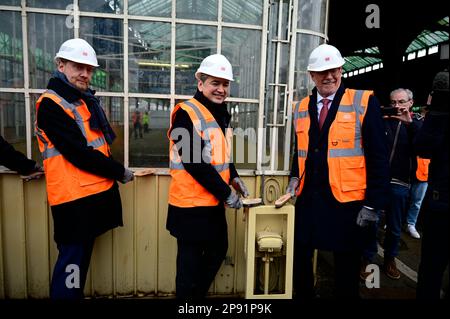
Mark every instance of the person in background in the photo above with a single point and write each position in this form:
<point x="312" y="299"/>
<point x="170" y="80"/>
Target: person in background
<point x="137" y="124"/>
<point x="432" y="142"/>
<point x="416" y="195"/>
<point x="74" y="139"/>
<point x="146" y="122"/>
<point x="419" y="183"/>
<point x="400" y="130"/>
<point x="201" y="168"/>
<point x="339" y="173"/>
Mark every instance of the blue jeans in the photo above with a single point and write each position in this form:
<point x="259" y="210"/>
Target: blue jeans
<point x="417" y="193"/>
<point x="398" y="205"/>
<point x="69" y="274"/>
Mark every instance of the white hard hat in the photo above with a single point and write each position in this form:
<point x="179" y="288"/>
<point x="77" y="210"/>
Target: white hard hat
<point x="79" y="51"/>
<point x="325" y="57"/>
<point x="216" y="65"/>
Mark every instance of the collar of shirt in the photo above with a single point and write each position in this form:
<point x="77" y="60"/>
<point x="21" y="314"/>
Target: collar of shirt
<point x="320" y="104"/>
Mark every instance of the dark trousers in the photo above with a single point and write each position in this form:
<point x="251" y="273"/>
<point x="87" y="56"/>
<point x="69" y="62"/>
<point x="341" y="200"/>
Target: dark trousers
<point x="346" y="274"/>
<point x="69" y="274"/>
<point x="434" y="254"/>
<point x="197" y="265"/>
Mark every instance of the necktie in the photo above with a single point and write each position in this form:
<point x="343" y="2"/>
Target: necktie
<point x="323" y="112"/>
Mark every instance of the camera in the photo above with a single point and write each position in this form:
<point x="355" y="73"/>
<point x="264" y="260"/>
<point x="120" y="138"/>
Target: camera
<point x="390" y="111"/>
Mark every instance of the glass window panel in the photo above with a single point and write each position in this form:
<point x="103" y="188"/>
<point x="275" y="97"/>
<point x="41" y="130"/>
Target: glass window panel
<point x="113" y="107"/>
<point x="197" y="9"/>
<point x="244" y="121"/>
<point x="12" y="120"/>
<point x="311" y="15"/>
<point x="11" y="53"/>
<point x="149" y="122"/>
<point x="247" y="12"/>
<point x="278" y="147"/>
<point x="110" y="6"/>
<point x="302" y="81"/>
<point x="243" y="48"/>
<point x="193" y="44"/>
<point x="157" y="8"/>
<point x="149" y="57"/>
<point x="60" y="4"/>
<point x="10" y="3"/>
<point x="106" y="36"/>
<point x="46" y="33"/>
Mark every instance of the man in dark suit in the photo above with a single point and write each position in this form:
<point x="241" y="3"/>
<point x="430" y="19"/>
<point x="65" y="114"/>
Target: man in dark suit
<point x="340" y="173"/>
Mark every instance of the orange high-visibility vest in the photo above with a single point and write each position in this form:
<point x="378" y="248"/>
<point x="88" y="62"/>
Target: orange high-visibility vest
<point x="346" y="163"/>
<point x="184" y="190"/>
<point x="422" y="169"/>
<point x="65" y="182"/>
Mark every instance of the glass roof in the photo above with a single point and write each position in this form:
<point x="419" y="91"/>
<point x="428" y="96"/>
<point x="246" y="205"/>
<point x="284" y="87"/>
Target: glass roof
<point x="369" y="57"/>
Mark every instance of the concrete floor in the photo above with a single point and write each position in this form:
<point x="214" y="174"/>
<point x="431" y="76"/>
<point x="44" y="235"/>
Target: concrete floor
<point x="404" y="288"/>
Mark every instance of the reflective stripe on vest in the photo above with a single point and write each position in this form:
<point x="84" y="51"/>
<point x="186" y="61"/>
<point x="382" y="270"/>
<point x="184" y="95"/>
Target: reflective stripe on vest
<point x="422" y="169"/>
<point x="346" y="163"/>
<point x="184" y="190"/>
<point x="65" y="182"/>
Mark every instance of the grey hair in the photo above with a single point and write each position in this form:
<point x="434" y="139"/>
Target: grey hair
<point x="203" y="77"/>
<point x="407" y="91"/>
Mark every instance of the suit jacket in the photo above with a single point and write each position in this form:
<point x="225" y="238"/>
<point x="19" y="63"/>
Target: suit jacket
<point x="321" y="221"/>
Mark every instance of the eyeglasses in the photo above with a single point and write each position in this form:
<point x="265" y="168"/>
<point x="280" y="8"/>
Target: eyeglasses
<point x="399" y="102"/>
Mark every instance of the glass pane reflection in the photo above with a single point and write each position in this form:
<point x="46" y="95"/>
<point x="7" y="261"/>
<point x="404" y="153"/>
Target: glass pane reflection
<point x="11" y="56"/>
<point x="311" y="15"/>
<point x="157" y="8"/>
<point x="243" y="49"/>
<point x="106" y="36"/>
<point x="197" y="9"/>
<point x="42" y="48"/>
<point x="12" y="120"/>
<point x="149" y="57"/>
<point x="244" y="121"/>
<point x="149" y="122"/>
<point x="193" y="44"/>
<point x="60" y="4"/>
<point x="246" y="12"/>
<point x="110" y="6"/>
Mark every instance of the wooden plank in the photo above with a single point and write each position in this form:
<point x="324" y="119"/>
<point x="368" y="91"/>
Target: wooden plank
<point x="14" y="238"/>
<point x="101" y="267"/>
<point x="124" y="244"/>
<point x="146" y="234"/>
<point x="167" y="244"/>
<point x="36" y="213"/>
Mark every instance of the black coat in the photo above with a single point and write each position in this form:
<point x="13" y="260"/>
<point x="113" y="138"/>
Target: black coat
<point x="85" y="218"/>
<point x="201" y="223"/>
<point x="320" y="220"/>
<point x="404" y="163"/>
<point x="432" y="142"/>
<point x="15" y="160"/>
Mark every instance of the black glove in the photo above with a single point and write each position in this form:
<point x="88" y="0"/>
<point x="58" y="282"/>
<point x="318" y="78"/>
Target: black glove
<point x="128" y="176"/>
<point x="233" y="201"/>
<point x="239" y="186"/>
<point x="292" y="186"/>
<point x="366" y="216"/>
<point x="36" y="173"/>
